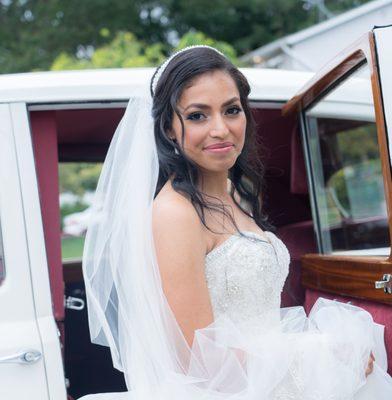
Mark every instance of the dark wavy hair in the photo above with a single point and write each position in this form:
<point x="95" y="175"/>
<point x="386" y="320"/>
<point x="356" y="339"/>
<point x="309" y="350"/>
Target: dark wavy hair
<point x="246" y="174"/>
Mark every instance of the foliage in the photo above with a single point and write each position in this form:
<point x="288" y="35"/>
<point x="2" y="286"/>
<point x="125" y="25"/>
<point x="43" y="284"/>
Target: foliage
<point x="245" y="24"/>
<point x="78" y="178"/>
<point x="124" y="51"/>
<point x="194" y="37"/>
<point x="366" y="137"/>
<point x="358" y="188"/>
<point x="360" y="170"/>
<point x="35" y="33"/>
<point x="127" y="51"/>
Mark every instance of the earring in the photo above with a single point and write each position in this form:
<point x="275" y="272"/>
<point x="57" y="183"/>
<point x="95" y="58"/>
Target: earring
<point x="175" y="148"/>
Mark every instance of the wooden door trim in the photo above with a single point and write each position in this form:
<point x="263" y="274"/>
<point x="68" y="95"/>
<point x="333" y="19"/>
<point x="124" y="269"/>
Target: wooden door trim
<point x="331" y="75"/>
<point x="381" y="132"/>
<point x="346" y="275"/>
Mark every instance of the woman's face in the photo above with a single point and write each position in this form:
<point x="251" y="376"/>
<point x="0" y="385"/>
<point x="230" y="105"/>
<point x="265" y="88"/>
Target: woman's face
<point x="213" y="116"/>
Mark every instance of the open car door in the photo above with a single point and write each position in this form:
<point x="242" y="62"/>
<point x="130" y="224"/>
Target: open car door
<point x="345" y="116"/>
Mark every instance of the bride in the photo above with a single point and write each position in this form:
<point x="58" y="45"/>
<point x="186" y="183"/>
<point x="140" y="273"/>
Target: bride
<point x="184" y="272"/>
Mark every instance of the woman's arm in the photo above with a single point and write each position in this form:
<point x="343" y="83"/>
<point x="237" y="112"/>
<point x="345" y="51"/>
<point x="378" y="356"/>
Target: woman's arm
<point x="181" y="247"/>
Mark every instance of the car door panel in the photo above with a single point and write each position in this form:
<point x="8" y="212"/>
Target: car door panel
<point x="26" y="315"/>
<point x="18" y="326"/>
<point x="350" y="274"/>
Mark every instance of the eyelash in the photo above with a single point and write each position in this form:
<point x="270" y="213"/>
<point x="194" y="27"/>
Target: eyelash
<point x="238" y="109"/>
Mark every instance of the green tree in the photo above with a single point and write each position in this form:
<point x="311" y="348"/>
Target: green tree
<point x="33" y="33"/>
<point x="78" y="178"/>
<point x="127" y="51"/>
<point x="245" y="24"/>
<point x="124" y="51"/>
<point x="194" y="37"/>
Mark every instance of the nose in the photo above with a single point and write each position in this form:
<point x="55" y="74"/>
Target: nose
<point x="218" y="127"/>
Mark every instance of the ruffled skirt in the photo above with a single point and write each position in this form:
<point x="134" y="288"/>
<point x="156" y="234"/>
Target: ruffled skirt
<point x="289" y="356"/>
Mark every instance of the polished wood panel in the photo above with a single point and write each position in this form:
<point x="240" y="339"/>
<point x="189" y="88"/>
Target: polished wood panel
<point x="347" y="276"/>
<point x="382" y="133"/>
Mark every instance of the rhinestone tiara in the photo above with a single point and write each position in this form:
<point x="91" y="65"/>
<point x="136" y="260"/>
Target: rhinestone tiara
<point x="165" y="64"/>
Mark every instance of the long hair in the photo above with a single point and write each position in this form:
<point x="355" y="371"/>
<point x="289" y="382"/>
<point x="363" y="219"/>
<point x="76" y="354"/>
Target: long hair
<point x="246" y="174"/>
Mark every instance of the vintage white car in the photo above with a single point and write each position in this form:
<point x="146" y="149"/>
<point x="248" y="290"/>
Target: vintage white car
<point x="327" y="153"/>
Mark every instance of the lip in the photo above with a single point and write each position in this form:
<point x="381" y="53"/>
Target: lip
<point x="220" y="147"/>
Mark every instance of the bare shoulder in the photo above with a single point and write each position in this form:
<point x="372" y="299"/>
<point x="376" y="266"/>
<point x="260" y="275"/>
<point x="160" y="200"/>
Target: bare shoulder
<point x="176" y="224"/>
<point x="180" y="244"/>
<point x="173" y="208"/>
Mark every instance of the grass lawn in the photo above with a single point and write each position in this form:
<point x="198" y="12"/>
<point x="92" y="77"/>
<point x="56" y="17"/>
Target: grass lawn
<point x="72" y="247"/>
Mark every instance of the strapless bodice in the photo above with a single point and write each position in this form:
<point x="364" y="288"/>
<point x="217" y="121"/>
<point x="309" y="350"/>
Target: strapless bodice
<point x="245" y="275"/>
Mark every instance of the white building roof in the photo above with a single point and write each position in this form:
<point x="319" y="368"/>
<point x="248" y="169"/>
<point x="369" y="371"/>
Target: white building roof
<point x="118" y="84"/>
<point x="276" y="46"/>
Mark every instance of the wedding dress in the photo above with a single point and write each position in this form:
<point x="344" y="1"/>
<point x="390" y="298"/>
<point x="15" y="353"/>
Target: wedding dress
<point x="278" y="353"/>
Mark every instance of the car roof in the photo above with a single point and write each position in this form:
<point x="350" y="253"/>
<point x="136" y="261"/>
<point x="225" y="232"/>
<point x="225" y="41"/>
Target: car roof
<point x="117" y="84"/>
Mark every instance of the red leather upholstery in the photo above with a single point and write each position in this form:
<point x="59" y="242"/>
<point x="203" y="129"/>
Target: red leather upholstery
<point x="299" y="239"/>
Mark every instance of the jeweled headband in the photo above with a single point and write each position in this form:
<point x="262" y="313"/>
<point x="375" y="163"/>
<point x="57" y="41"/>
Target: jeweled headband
<point x="163" y="66"/>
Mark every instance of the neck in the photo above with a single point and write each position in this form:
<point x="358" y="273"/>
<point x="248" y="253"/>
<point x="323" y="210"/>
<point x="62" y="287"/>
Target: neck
<point x="215" y="184"/>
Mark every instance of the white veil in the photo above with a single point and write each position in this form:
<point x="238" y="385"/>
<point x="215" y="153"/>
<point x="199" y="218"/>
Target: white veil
<point x="126" y="306"/>
<point x="128" y="311"/>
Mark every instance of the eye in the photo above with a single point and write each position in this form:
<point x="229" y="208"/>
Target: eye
<point x="197" y="116"/>
<point x="234" y="110"/>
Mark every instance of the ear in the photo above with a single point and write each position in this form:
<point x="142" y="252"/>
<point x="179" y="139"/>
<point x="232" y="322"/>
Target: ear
<point x="171" y="135"/>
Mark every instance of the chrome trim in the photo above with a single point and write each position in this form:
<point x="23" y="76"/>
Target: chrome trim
<point x="75" y="105"/>
<point x="28" y="356"/>
<point x="385" y="284"/>
<point x="311" y="184"/>
<point x="73" y="303"/>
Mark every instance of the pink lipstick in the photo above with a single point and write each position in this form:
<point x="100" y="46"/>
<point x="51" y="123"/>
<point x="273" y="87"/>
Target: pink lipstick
<point x="223" y="147"/>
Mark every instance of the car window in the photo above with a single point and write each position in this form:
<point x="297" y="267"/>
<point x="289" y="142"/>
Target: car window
<point x="77" y="182"/>
<point x="2" y="263"/>
<point x="350" y="203"/>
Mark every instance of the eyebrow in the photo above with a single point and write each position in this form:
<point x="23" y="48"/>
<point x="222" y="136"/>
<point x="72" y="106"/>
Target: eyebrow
<point x="205" y="106"/>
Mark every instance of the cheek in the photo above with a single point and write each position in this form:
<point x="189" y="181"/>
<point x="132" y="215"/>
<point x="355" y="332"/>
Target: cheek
<point x="194" y="137"/>
<point x="239" y="128"/>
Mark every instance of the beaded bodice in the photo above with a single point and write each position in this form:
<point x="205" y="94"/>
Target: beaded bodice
<point x="245" y="276"/>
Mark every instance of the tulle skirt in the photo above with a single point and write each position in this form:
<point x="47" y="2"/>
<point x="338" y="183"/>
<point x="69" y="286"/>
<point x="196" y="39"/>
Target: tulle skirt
<point x="289" y="356"/>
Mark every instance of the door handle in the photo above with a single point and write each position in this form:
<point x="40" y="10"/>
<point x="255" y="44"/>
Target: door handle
<point x="385" y="284"/>
<point x="28" y="356"/>
<point x="73" y="303"/>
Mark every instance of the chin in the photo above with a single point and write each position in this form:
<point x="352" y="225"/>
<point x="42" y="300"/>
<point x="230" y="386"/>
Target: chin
<point x="221" y="167"/>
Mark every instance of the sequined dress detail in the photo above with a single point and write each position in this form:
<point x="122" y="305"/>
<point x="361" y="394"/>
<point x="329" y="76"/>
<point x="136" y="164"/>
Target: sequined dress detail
<point x="245" y="275"/>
